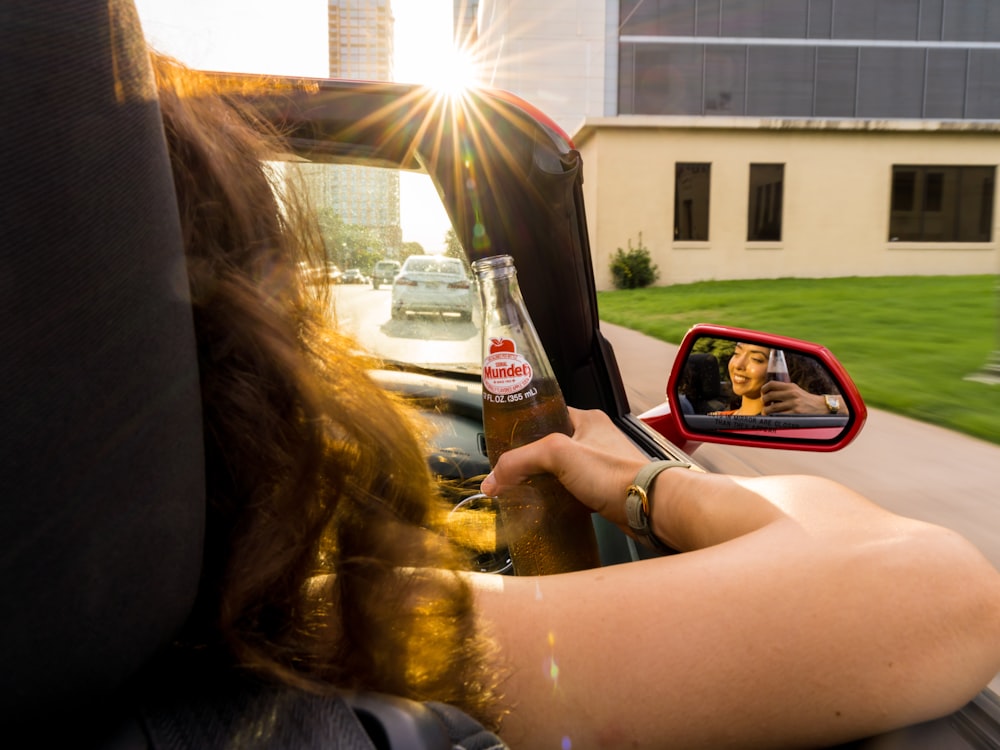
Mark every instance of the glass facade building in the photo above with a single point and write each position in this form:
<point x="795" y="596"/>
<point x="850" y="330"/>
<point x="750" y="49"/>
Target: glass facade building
<point x="360" y="47"/>
<point x="871" y="59"/>
<point x="361" y="39"/>
<point x="464" y="15"/>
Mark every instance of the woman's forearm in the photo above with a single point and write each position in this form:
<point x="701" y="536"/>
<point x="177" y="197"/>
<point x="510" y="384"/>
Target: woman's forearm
<point x="799" y="633"/>
<point x="799" y="613"/>
<point x="693" y="509"/>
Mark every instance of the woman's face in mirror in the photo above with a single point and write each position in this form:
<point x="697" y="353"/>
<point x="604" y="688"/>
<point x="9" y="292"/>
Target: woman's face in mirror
<point x="748" y="369"/>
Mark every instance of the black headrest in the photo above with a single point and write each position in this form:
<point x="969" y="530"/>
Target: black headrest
<point x="702" y="376"/>
<point x="101" y="458"/>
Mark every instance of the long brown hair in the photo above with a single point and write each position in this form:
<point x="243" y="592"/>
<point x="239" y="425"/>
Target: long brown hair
<point x="324" y="563"/>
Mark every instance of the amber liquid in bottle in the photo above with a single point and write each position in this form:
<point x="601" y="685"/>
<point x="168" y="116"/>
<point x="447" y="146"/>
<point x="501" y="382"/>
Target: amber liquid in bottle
<point x="547" y="530"/>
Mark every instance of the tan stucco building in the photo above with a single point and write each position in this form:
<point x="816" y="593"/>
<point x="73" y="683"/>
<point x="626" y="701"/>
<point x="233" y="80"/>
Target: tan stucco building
<point x="846" y="188"/>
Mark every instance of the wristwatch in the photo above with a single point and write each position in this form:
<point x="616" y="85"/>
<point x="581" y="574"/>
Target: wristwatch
<point x="832" y="403"/>
<point x="638" y="504"/>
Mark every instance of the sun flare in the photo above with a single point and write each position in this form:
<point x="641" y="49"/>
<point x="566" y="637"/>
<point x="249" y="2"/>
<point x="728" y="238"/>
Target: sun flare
<point x="450" y="72"/>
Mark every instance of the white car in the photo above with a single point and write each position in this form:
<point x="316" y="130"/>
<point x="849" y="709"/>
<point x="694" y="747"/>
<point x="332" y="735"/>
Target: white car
<point x="432" y="284"/>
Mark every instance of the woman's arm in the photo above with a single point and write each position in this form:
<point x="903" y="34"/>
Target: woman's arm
<point x="803" y="614"/>
<point x="789" y="398"/>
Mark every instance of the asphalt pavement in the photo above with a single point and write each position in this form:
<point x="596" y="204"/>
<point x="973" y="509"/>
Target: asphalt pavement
<point x="911" y="468"/>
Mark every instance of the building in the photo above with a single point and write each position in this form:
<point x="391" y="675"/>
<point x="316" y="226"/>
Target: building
<point x="464" y="22"/>
<point x="361" y="39"/>
<point x="560" y="55"/>
<point x="361" y="48"/>
<point x="757" y="139"/>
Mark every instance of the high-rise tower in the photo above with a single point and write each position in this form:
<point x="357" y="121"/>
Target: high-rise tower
<point x="363" y="199"/>
<point x="361" y="39"/>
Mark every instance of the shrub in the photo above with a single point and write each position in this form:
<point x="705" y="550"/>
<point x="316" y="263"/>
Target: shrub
<point x="633" y="269"/>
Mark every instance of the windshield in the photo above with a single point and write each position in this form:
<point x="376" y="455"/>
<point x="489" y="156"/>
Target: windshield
<point x="367" y="214"/>
<point x="430" y="264"/>
<point x="390" y="224"/>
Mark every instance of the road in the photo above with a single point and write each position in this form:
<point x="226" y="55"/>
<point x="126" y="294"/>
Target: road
<point x="429" y="340"/>
<point x="911" y="468"/>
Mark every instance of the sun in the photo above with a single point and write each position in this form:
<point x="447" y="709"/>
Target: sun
<point x="426" y="51"/>
<point x="453" y="72"/>
<point x="448" y="70"/>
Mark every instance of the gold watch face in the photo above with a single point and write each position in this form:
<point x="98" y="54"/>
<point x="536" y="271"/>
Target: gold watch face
<point x="833" y="404"/>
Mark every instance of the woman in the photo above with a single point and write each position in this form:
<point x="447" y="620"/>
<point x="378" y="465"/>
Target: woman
<point x="796" y="618"/>
<point x="322" y="510"/>
<point x="759" y="395"/>
<point x="747" y="374"/>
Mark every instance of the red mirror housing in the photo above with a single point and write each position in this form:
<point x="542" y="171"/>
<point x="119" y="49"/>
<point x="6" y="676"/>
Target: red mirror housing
<point x="714" y="393"/>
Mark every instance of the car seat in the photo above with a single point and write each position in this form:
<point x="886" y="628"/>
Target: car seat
<point x="103" y="505"/>
<point x="702" y="384"/>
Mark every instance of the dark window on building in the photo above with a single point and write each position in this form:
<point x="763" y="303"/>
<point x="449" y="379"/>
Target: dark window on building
<point x="767" y="188"/>
<point x="691" y="197"/>
<point x="933" y="192"/>
<point x="941" y="204"/>
<point x="904" y="186"/>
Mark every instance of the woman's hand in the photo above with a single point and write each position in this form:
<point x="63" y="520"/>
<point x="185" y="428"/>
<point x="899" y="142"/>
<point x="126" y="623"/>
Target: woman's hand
<point x="788" y="398"/>
<point x="596" y="464"/>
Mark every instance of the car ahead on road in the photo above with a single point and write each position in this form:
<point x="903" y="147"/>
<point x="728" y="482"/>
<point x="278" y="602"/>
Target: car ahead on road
<point x="432" y="284"/>
<point x="321" y="274"/>
<point x="352" y="276"/>
<point x="112" y="512"/>
<point x="385" y="272"/>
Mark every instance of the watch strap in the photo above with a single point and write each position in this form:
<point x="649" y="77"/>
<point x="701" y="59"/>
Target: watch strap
<point x="638" y="506"/>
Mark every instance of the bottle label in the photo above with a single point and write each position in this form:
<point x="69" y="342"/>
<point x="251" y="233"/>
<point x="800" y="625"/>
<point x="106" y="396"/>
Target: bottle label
<point x="504" y="370"/>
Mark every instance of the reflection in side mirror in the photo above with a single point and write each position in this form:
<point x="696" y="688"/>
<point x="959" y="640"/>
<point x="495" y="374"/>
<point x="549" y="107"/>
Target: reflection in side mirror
<point x="744" y="387"/>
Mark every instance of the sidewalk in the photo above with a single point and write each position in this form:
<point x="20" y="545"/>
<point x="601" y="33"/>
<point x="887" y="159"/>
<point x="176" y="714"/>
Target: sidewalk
<point x="911" y="468"/>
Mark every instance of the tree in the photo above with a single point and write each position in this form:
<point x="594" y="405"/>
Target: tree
<point x="633" y="269"/>
<point x="350" y="245"/>
<point x="413" y="248"/>
<point x="453" y="246"/>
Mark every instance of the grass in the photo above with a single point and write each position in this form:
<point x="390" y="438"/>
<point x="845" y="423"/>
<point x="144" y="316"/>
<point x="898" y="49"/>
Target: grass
<point x="908" y="341"/>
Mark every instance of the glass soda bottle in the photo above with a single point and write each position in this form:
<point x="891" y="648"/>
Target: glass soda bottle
<point x="547" y="530"/>
<point x="777" y="369"/>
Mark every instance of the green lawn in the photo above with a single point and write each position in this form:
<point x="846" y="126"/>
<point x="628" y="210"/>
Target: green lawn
<point x="908" y="342"/>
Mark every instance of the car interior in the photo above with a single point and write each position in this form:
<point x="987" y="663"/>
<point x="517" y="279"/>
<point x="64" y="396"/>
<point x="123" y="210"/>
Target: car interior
<point x="102" y="453"/>
<point x="103" y="512"/>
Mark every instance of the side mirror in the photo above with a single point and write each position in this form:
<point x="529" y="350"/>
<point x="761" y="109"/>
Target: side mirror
<point x="739" y="387"/>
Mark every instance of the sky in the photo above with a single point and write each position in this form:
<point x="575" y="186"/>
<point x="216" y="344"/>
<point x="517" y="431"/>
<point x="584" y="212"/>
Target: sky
<point x="289" y="37"/>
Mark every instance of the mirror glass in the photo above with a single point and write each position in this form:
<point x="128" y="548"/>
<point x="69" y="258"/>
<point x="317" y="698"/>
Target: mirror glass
<point x="750" y="388"/>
